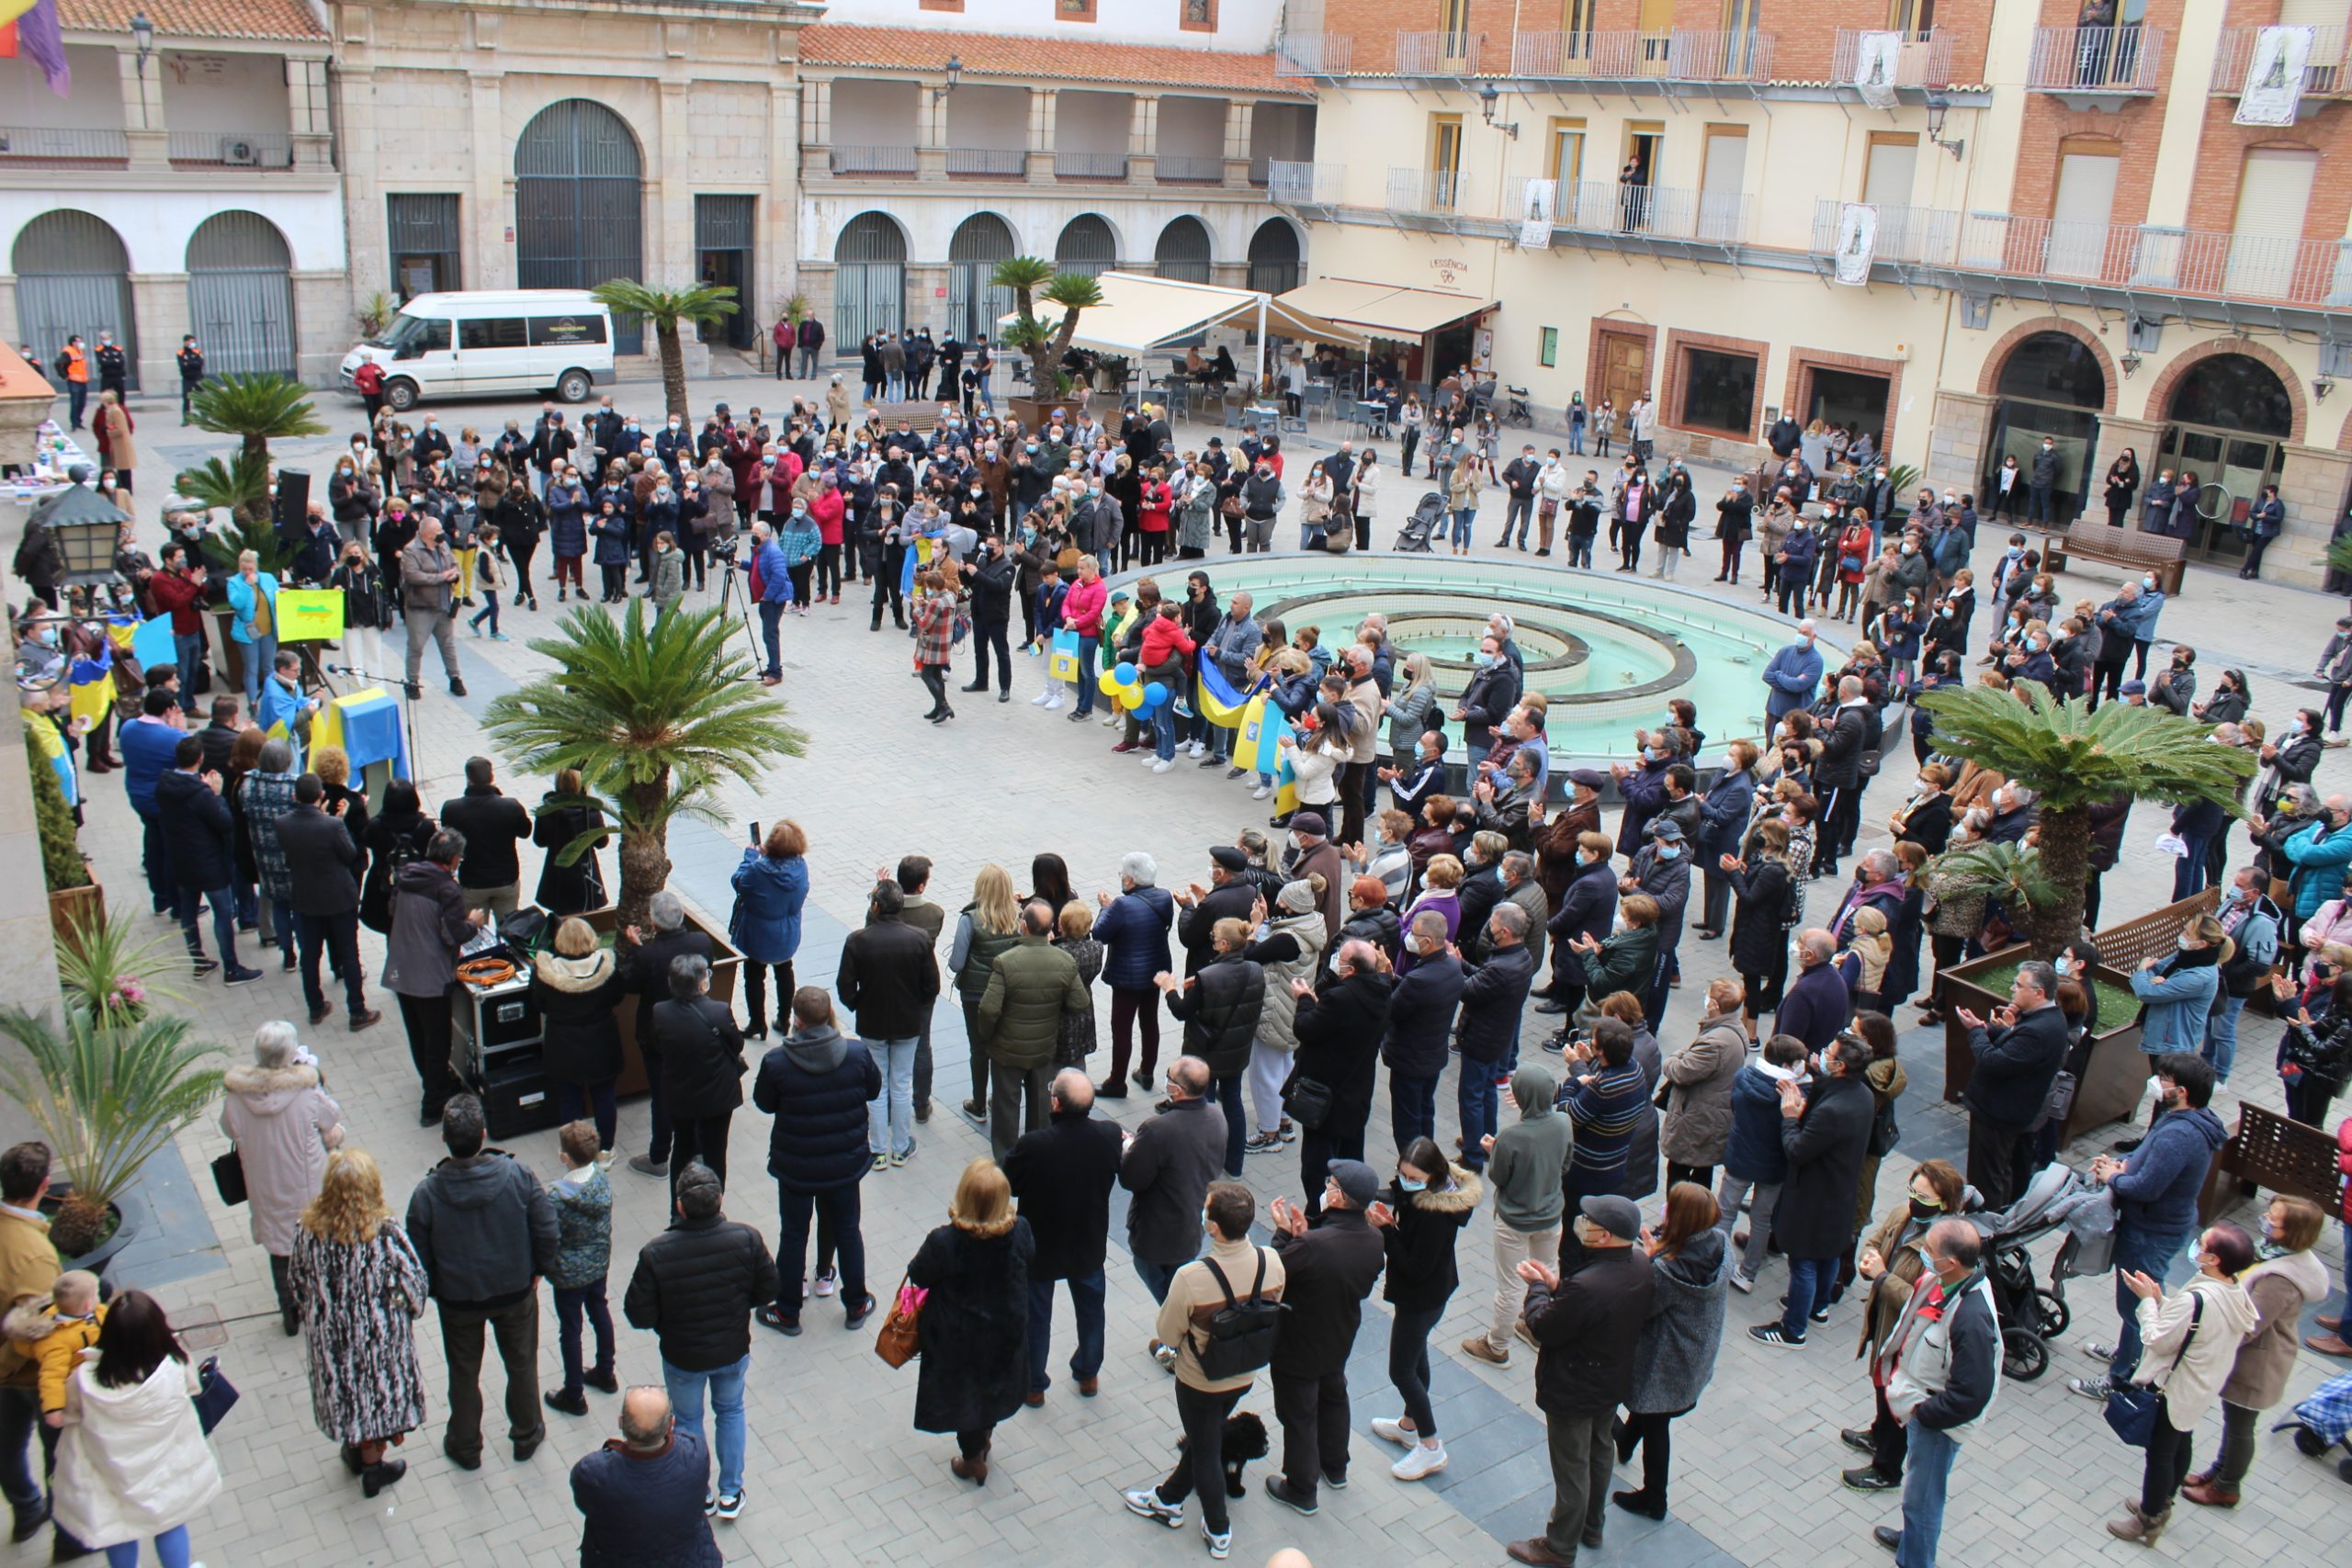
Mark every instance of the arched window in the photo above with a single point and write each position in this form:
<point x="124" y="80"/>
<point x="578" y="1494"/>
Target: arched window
<point x="580" y="204"/>
<point x="1183" y="251"/>
<point x="72" y="276"/>
<point x="975" y="304"/>
<point x="2054" y="367"/>
<point x="241" y="294"/>
<point x="2233" y="391"/>
<point x="869" y="280"/>
<point x="1087" y="246"/>
<point x="2050" y="388"/>
<point x="1275" y="257"/>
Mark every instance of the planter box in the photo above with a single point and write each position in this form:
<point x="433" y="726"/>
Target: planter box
<point x="724" y="963"/>
<point x="2111" y="1085"/>
<point x="1032" y="412"/>
<point x="73" y="908"/>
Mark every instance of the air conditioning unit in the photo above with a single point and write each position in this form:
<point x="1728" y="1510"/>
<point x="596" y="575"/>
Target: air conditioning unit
<point x="236" y="150"/>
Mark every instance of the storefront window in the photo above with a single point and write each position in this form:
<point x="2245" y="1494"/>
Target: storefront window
<point x="1718" y="391"/>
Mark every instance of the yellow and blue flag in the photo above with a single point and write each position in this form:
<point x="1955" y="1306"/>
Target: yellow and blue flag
<point x="1217" y="701"/>
<point x="1285" y="788"/>
<point x="92" y="690"/>
<point x="1261" y="731"/>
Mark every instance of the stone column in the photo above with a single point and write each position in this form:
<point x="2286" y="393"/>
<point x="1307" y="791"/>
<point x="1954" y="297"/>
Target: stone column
<point x="305" y="102"/>
<point x="368" y="245"/>
<point x="143" y="110"/>
<point x="930" y="132"/>
<point x="778" y="264"/>
<point x="2314" y="482"/>
<point x="491" y="200"/>
<point x="1956" y="441"/>
<point x="1143" y="136"/>
<point x="816" y="129"/>
<point x="1241" y="116"/>
<point x="158" y="304"/>
<point x="2116" y="433"/>
<point x="671" y="257"/>
<point x="1041" y="138"/>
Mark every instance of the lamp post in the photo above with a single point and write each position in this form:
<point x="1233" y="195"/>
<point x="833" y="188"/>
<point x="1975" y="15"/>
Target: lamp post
<point x="1938" y="108"/>
<point x="142" y="34"/>
<point x="1490" y="96"/>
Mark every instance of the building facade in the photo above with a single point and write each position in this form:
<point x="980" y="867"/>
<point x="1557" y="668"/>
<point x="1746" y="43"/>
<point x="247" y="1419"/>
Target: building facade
<point x="940" y="137"/>
<point x="1959" y="225"/>
<point x="185" y="182"/>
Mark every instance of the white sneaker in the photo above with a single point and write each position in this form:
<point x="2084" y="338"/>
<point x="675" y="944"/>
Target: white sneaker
<point x="1041" y="699"/>
<point x="1396" y="1431"/>
<point x="1420" y="1460"/>
<point x="1164" y="765"/>
<point x="1144" y="1502"/>
<point x="1261" y="793"/>
<point x="1742" y="1280"/>
<point x="827" y="1283"/>
<point x="1113" y="719"/>
<point x="1053" y="702"/>
<point x="1220" y="1546"/>
<point x="1198" y="748"/>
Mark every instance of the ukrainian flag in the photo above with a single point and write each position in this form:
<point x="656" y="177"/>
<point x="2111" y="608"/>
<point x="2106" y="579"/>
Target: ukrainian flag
<point x="92" y="690"/>
<point x="1255" y="747"/>
<point x="1217" y="701"/>
<point x="1285" y="788"/>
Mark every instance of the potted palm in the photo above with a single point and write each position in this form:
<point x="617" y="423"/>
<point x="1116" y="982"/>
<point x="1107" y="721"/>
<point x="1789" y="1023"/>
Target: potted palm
<point x="704" y="304"/>
<point x="1031" y="279"/>
<point x="655" y="722"/>
<point x="256" y="409"/>
<point x="75" y="896"/>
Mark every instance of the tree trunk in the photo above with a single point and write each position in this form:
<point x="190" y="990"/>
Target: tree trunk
<point x="645" y="851"/>
<point x="2065" y="855"/>
<point x="674" y="367"/>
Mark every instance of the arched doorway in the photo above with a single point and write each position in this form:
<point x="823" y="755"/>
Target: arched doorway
<point x="1087" y="246"/>
<point x="974" y="304"/>
<point x="2052" y="385"/>
<point x="2229" y="418"/>
<point x="869" y="280"/>
<point x="241" y="294"/>
<point x="72" y="276"/>
<point x="1273" y="257"/>
<point x="1184" y="252"/>
<point x="580" y="205"/>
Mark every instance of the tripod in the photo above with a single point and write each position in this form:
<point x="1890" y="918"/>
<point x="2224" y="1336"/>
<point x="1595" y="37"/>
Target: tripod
<point x="738" y="599"/>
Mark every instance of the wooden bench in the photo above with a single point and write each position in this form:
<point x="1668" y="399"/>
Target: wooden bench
<point x="2276" y="1155"/>
<point x="2157" y="553"/>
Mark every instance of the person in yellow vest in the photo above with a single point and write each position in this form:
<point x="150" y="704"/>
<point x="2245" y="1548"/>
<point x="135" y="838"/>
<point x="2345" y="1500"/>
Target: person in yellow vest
<point x="28" y="1272"/>
<point x="73" y="363"/>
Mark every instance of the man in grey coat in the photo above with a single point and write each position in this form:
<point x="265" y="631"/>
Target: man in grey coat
<point x="1168" y="1165"/>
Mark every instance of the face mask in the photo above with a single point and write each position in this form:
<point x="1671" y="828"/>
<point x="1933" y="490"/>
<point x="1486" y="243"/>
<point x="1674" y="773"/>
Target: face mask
<point x="1485" y="661"/>
<point x="1405" y="1186"/>
<point x="1585" y="858"/>
<point x="1926" y="1208"/>
<point x="1670" y="851"/>
<point x="2149" y="584"/>
<point x="2185" y="942"/>
<point x="2062" y="965"/>
<point x="800" y="511"/>
<point x="674" y="424"/>
<point x="1909" y="549"/>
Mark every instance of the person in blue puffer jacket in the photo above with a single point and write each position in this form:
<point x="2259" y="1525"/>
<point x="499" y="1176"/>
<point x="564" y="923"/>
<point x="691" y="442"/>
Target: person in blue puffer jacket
<point x="2139" y="620"/>
<point x="2176" y="991"/>
<point x="568" y="531"/>
<point x="800" y="541"/>
<point x="1754" y="1160"/>
<point x="1133" y="928"/>
<point x="771" y="585"/>
<point x="2319" y="855"/>
<point x="771" y="887"/>
<point x="612" y="530"/>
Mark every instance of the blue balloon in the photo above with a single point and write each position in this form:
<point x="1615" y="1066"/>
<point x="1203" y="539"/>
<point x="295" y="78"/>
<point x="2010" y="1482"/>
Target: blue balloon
<point x="1154" y="695"/>
<point x="1125" y="672"/>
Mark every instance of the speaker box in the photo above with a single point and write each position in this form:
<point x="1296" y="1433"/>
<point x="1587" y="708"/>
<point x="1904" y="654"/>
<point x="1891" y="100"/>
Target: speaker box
<point x="293" y="502"/>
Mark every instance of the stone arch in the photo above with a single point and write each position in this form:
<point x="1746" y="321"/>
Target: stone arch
<point x="2160" y="395"/>
<point x="1989" y="377"/>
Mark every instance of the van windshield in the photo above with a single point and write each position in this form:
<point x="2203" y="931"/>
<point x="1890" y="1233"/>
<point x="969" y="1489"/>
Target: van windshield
<point x="412" y="336"/>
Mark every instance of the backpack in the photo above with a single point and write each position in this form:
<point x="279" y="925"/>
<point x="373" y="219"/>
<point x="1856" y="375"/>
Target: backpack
<point x="1240" y="1337"/>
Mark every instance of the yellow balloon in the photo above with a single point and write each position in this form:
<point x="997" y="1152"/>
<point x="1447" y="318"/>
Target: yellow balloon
<point x="1108" y="684"/>
<point x="1131" y="697"/>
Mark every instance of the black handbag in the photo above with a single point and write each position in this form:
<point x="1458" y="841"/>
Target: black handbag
<point x="1308" y="1101"/>
<point x="215" y="1394"/>
<point x="2132" y="1409"/>
<point x="229" y="1176"/>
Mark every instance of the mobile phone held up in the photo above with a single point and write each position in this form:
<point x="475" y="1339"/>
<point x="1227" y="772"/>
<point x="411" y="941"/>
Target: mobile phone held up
<point x="755" y="833"/>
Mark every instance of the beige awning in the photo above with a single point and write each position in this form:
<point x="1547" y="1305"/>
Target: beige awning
<point x="1385" y="309"/>
<point x="1138" y="314"/>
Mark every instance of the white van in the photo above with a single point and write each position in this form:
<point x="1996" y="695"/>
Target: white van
<point x="486" y="341"/>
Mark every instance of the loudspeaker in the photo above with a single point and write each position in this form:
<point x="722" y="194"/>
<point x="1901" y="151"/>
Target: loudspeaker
<point x="293" y="502"/>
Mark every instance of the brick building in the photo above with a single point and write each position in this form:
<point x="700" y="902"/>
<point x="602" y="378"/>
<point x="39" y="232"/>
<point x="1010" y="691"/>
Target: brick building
<point x="1961" y="225"/>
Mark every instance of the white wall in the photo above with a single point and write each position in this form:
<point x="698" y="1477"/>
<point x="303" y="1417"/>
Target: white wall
<point x="94" y="104"/>
<point x="156" y="224"/>
<point x="225" y="92"/>
<point x="1092" y="122"/>
<point x="1192" y="128"/>
<point x="994" y="118"/>
<point x="875" y="114"/>
<point x="1245" y="26"/>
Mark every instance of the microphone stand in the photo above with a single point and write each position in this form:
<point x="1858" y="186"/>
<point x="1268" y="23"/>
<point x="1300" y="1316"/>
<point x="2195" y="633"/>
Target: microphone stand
<point x="409" y="691"/>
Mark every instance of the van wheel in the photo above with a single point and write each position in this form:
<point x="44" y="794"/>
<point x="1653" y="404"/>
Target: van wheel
<point x="573" y="387"/>
<point x="400" y="396"/>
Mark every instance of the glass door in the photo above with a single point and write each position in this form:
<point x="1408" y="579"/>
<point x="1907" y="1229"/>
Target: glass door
<point x="2230" y="468"/>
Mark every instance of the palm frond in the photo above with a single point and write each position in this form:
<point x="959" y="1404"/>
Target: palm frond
<point x="105" y="967"/>
<point x="106" y="1097"/>
<point x="704" y="302"/>
<point x="237" y="485"/>
<point x="2011" y="873"/>
<point x="2073" y="758"/>
<point x="260" y="408"/>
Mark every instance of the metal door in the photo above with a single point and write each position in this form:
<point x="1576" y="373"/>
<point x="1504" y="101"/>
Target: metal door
<point x="974" y="304"/>
<point x="72" y="276"/>
<point x="579" y="206"/>
<point x="723" y="253"/>
<point x="1273" y="257"/>
<point x="1087" y="246"/>
<point x="869" y="281"/>
<point x="1184" y="252"/>
<point x="241" y="295"/>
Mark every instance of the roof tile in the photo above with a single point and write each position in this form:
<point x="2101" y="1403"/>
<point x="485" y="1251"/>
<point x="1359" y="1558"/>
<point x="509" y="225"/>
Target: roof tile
<point x="1000" y="55"/>
<point x="290" y="19"/>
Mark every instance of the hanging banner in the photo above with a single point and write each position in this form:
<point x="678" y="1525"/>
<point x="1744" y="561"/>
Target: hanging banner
<point x="1857" y="241"/>
<point x="1877" y="59"/>
<point x="1536" y="215"/>
<point x="2274" y="81"/>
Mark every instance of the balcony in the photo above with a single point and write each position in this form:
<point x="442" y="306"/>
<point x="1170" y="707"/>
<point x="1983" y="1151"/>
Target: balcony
<point x="1089" y="165"/>
<point x="1683" y="55"/>
<point x="896" y="162"/>
<point x="1172" y="169"/>
<point x="2325" y="76"/>
<point x="987" y="162"/>
<point x="1924" y="59"/>
<point x="1923" y="234"/>
<point x="1305" y="185"/>
<point x="2095" y="67"/>
<point x="1653" y="212"/>
<point x="38" y="146"/>
<point x="1315" y="54"/>
<point x="1429" y="192"/>
<point x="229" y="149"/>
<point x="1442" y="55"/>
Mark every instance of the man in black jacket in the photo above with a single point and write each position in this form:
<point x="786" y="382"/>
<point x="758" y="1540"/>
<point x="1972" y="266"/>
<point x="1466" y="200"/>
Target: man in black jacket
<point x="1219" y="1005"/>
<point x="1838" y="777"/>
<point x="645" y="970"/>
<point x="322" y="864"/>
<point x="1940" y="1367"/>
<point x="1519" y="480"/>
<point x="1494" y="998"/>
<point x="1327" y="1271"/>
<point x="494" y="823"/>
<point x="485" y="1231"/>
<point x="1062" y="1174"/>
<point x="1339" y="1028"/>
<point x="889" y="979"/>
<point x="1200" y="909"/>
<point x="817" y="1085"/>
<point x="694" y="1286"/>
<point x="1825" y="1137"/>
<point x="2016" y="1065"/>
<point x="1421" y="1029"/>
<point x="991" y="588"/>
<point x="1586" y="1317"/>
<point x="197" y="824"/>
<point x="1168" y="1165"/>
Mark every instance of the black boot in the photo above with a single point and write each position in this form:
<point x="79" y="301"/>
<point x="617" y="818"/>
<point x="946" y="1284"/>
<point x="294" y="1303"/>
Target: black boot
<point x="376" y="1477"/>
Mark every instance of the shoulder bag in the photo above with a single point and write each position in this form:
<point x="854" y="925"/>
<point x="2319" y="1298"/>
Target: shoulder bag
<point x="2132" y="1409"/>
<point x="1308" y="1101"/>
<point x="229" y="1176"/>
<point x="898" y="1341"/>
<point x="215" y="1394"/>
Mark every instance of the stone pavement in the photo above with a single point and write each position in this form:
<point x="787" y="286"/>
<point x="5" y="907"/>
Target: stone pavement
<point x="836" y="1473"/>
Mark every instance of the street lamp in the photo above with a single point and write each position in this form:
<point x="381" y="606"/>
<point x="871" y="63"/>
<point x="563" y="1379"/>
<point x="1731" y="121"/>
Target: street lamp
<point x="1938" y="107"/>
<point x="1489" y="96"/>
<point x="955" y="74"/>
<point x="143" y="33"/>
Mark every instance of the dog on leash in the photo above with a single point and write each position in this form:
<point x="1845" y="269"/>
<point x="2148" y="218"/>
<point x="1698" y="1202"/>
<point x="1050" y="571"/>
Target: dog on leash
<point x="1244" y="1439"/>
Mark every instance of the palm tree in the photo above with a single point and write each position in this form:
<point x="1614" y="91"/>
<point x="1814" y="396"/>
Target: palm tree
<point x="239" y="486"/>
<point x="653" y="721"/>
<point x="1030" y="279"/>
<point x="257" y="409"/>
<point x="705" y="304"/>
<point x="2073" y="759"/>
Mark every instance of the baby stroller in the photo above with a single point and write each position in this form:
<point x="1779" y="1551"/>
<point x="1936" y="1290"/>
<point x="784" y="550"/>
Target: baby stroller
<point x="2323" y="1421"/>
<point x="2031" y="1316"/>
<point x="1414" y="537"/>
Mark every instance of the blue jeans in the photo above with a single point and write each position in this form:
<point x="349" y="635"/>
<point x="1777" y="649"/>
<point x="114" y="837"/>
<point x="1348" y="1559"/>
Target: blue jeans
<point x="2137" y="1251"/>
<point x="2188" y="872"/>
<point x="726" y="1385"/>
<point x="1086" y="1291"/>
<point x="2221" y="1036"/>
<point x="1087" y="671"/>
<point x="189" y="648"/>
<point x="1163" y="732"/>
<point x="489" y="612"/>
<point x="257" y="656"/>
<point x="1927" y="1470"/>
<point x="1412" y="1108"/>
<point x="157" y="861"/>
<point x="170" y="1550"/>
<point x="772" y="617"/>
<point x="1463" y="517"/>
<point x="1477" y="1101"/>
<point x="223" y="900"/>
<point x="570" y="1306"/>
<point x="890" y="1115"/>
<point x="1810" y="1278"/>
<point x="573" y="1102"/>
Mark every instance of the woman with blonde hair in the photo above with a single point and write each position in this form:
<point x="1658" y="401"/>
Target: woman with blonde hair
<point x="360" y="1288"/>
<point x="988" y="926"/>
<point x="576" y="988"/>
<point x="974" y="1331"/>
